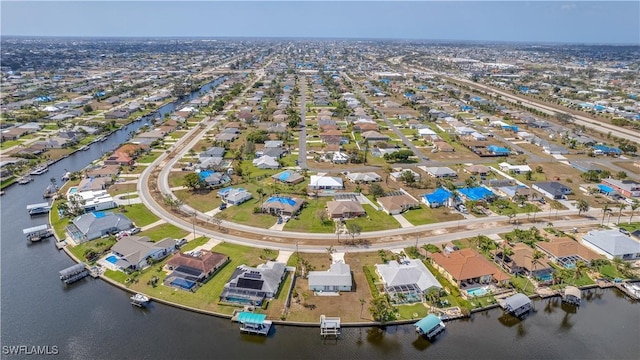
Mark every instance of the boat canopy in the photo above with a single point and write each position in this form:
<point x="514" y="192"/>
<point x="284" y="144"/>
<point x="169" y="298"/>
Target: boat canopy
<point x="515" y="301"/>
<point x="35" y="229"/>
<point x="573" y="291"/>
<point x="251" y="318"/>
<point x="38" y="206"/>
<point x="72" y="270"/>
<point x="428" y="323"/>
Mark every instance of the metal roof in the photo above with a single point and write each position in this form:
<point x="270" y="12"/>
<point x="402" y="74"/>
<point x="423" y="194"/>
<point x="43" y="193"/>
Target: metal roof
<point x="251" y="318"/>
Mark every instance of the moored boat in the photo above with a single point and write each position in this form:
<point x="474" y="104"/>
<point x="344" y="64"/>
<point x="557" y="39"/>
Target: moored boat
<point x="25" y="180"/>
<point x="39" y="170"/>
<point x="139" y="300"/>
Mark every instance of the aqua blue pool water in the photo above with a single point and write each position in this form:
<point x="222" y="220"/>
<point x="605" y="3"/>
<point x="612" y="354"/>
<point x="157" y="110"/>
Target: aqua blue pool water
<point x="477" y="292"/>
<point x="112" y="259"/>
<point x="545" y="277"/>
<point x="73" y="190"/>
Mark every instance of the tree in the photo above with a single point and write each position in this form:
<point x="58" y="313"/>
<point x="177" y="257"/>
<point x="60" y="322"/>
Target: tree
<point x="381" y="309"/>
<point x="620" y="175"/>
<point x="376" y="190"/>
<point x="171" y="201"/>
<point x="621" y="206"/>
<point x="634" y="207"/>
<point x="539" y="169"/>
<point x="583" y="206"/>
<point x="260" y="192"/>
<point x="353" y="230"/>
<point x="193" y="181"/>
<point x="605" y="210"/>
<point x="362" y="302"/>
<point x="387" y="171"/>
<point x="87" y="108"/>
<point x="408" y="177"/>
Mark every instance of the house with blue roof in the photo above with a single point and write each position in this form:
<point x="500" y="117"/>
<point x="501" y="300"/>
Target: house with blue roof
<point x="282" y="205"/>
<point x="606" y="150"/>
<point x="440" y="197"/>
<point x="214" y="178"/>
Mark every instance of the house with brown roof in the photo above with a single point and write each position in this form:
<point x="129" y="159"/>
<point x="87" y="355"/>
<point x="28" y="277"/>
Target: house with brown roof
<point x="119" y="158"/>
<point x="373" y="136"/>
<point x="332" y="136"/>
<point x="478" y="170"/>
<point x="345" y="209"/>
<point x="565" y="251"/>
<point x="466" y="267"/>
<point x="190" y="269"/>
<point x="443" y="146"/>
<point x="521" y="262"/>
<point x="396" y="204"/>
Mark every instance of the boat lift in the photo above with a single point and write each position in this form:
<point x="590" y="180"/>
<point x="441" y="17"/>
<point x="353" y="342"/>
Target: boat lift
<point x="38" y="233"/>
<point x="41" y="208"/>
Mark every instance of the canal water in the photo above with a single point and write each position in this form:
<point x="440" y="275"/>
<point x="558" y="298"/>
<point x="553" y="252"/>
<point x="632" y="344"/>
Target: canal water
<point x="93" y="320"/>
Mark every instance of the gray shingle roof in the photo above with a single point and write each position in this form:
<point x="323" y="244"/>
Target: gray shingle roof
<point x="410" y="272"/>
<point x="612" y="242"/>
<point x="99" y="221"/>
<point x="339" y="274"/>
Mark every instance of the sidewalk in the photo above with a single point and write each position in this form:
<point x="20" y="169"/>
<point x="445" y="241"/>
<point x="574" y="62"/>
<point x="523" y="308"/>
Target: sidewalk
<point x="147" y="227"/>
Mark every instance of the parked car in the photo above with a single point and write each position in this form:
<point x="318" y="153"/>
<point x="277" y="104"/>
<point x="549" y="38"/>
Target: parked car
<point x="181" y="242"/>
<point x="223" y="206"/>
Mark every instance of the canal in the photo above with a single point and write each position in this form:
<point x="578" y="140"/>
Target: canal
<point x="93" y="320"/>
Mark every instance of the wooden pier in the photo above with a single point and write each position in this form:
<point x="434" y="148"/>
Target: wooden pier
<point x="74" y="273"/>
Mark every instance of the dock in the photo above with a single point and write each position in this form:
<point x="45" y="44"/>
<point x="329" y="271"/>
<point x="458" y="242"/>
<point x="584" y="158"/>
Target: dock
<point x="517" y="305"/>
<point x="430" y="326"/>
<point x="41" y="208"/>
<point x="61" y="244"/>
<point x="252" y="323"/>
<point x="38" y="233"/>
<point x="572" y="295"/>
<point x="74" y="273"/>
<point x="329" y="326"/>
<point x="631" y="289"/>
<point x="139" y="300"/>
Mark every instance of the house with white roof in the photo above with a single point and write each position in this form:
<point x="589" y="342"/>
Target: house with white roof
<point x="367" y="177"/>
<point x="518" y="169"/>
<point x="439" y="171"/>
<point x="266" y="162"/>
<point x="234" y="196"/>
<point x="337" y="278"/>
<point x="408" y="281"/>
<point x="612" y="244"/>
<point x="323" y="182"/>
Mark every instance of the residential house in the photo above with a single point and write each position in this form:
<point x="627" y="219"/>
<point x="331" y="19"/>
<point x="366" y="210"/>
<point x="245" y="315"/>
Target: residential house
<point x="288" y="177"/>
<point x="566" y="252"/>
<point x="439" y="172"/>
<point x="407" y="281"/>
<point x="397" y="175"/>
<point x="516" y="169"/>
<point x="323" y="182"/>
<point x="373" y="136"/>
<point x="339" y="157"/>
<point x="612" y="244"/>
<point x="478" y="170"/>
<point x="443" y="146"/>
<point x="214" y="151"/>
<point x="440" y="197"/>
<point x="337" y="278"/>
<point x="214" y="178"/>
<point x="266" y="162"/>
<point x="552" y="189"/>
<point x="253" y="286"/>
<point x="134" y="252"/>
<point x="467" y="269"/>
<point x="627" y="188"/>
<point x="226" y="137"/>
<point x="190" y="269"/>
<point x="366" y="178"/>
<point x="345" y="209"/>
<point x="396" y="204"/>
<point x="96" y="224"/>
<point x="107" y="171"/>
<point x="281" y="205"/>
<point x="521" y="262"/>
<point x="234" y="196"/>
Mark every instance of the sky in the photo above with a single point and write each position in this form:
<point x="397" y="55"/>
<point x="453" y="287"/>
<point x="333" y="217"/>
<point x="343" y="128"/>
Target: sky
<point x="592" y="22"/>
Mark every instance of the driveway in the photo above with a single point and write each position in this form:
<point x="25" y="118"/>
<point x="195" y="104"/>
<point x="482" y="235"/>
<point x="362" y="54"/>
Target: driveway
<point x="403" y="222"/>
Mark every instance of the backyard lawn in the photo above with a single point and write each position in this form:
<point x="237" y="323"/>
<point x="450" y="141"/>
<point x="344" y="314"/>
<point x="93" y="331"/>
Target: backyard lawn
<point x="200" y="200"/>
<point x="117" y="189"/>
<point x="375" y="220"/>
<point x="149" y="158"/>
<point x="243" y="214"/>
<point x="308" y="219"/>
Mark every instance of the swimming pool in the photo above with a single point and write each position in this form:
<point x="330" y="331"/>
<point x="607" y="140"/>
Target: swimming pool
<point x="73" y="190"/>
<point x="112" y="259"/>
<point x="478" y="291"/>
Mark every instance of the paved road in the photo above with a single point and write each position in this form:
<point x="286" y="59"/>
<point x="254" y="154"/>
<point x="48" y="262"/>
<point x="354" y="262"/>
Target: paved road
<point x="302" y="141"/>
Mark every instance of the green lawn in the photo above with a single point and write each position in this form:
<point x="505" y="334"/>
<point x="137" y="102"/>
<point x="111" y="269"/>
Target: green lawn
<point x="194" y="243"/>
<point x="243" y="214"/>
<point x="610" y="272"/>
<point x="177" y="134"/>
<point x="162" y="231"/>
<point x="375" y="220"/>
<point x="201" y="200"/>
<point x="139" y="214"/>
<point x="308" y="219"/>
<point x="521" y="283"/>
<point x="8" y="181"/>
<point x="630" y="227"/>
<point x="149" y="158"/>
<point x="415" y="311"/>
<point x="9" y="143"/>
<point x="58" y="224"/>
<point x="118" y="276"/>
<point x="421" y="216"/>
<point x="289" y="160"/>
<point x="99" y="246"/>
<point x="505" y="207"/>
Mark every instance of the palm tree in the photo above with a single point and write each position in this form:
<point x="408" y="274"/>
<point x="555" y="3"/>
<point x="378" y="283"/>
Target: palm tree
<point x="621" y="206"/>
<point x="260" y="192"/>
<point x="387" y="170"/>
<point x="583" y="206"/>
<point x="634" y="207"/>
<point x="605" y="210"/>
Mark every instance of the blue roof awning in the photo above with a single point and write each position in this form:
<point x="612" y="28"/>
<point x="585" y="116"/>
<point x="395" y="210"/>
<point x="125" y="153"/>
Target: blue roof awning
<point x="252" y="318"/>
<point x="428" y="323"/>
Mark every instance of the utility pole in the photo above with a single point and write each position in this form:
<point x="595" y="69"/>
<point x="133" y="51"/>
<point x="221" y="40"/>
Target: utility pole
<point x="194" y="224"/>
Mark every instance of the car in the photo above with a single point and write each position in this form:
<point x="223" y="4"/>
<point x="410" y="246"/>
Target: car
<point x="181" y="242"/>
<point x="134" y="231"/>
<point x="223" y="206"/>
<point x="279" y="220"/>
<point x="624" y="231"/>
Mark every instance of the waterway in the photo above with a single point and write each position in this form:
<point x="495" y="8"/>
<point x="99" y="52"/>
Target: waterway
<point x="93" y="320"/>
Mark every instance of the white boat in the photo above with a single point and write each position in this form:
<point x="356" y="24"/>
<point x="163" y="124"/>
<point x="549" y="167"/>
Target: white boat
<point x="39" y="170"/>
<point x="85" y="148"/>
<point x="25" y="180"/>
<point x="139" y="300"/>
<point x="66" y="176"/>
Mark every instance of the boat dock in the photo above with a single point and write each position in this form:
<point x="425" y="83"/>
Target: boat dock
<point x="631" y="289"/>
<point x="38" y="233"/>
<point x="39" y="170"/>
<point x="516" y="305"/>
<point x="139" y="300"/>
<point x="41" y="208"/>
<point x="572" y="295"/>
<point x="430" y="326"/>
<point x="74" y="273"/>
<point x="252" y="323"/>
<point x="329" y="326"/>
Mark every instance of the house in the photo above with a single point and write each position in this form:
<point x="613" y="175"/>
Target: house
<point x="612" y="244"/>
<point x="226" y="137"/>
<point x="367" y="177"/>
<point x="337" y="278"/>
<point x="117" y="114"/>
<point x="107" y="171"/>
<point x="407" y="281"/>
<point x="566" y="252"/>
<point x="214" y="151"/>
<point x="266" y="162"/>
<point x="94" y="184"/>
<point x="213" y="178"/>
<point x="96" y="224"/>
<point x="478" y="170"/>
<point x="516" y="169"/>
<point x="273" y="144"/>
<point x="443" y="146"/>
<point x="322" y="182"/>
<point x="134" y="252"/>
<point x="396" y="204"/>
<point x="586" y="166"/>
<point x="190" y="269"/>
<point x="465" y="267"/>
<point x="252" y="286"/>
<point x="93" y="200"/>
<point x="439" y="172"/>
<point x="476" y="193"/>
<point x="209" y="163"/>
<point x="339" y="157"/>
<point x="553" y="149"/>
<point x="552" y="189"/>
<point x="345" y="209"/>
<point x="397" y="175"/>
<point x="521" y="262"/>
<point x="627" y="188"/>
<point x="373" y="136"/>
<point x="234" y="196"/>
<point x="288" y="177"/>
<point x="281" y="205"/>
<point x="440" y="197"/>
